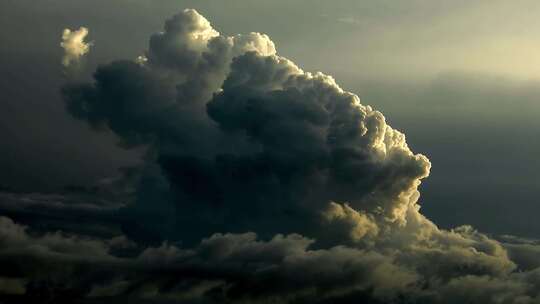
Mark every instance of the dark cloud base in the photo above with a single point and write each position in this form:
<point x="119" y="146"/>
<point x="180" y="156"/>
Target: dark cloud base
<point x="261" y="183"/>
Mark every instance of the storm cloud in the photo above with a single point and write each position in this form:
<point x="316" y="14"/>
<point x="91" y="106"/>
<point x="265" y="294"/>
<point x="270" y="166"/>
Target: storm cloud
<point x="262" y="183"/>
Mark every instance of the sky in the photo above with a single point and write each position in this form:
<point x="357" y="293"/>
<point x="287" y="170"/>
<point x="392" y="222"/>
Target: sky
<point x="187" y="147"/>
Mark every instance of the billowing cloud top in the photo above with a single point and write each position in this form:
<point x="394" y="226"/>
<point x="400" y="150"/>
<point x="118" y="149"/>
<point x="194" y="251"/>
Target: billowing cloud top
<point x="266" y="184"/>
<point x="246" y="139"/>
<point x="74" y="45"/>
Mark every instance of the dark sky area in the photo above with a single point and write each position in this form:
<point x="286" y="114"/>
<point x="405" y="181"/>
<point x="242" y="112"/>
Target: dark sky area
<point x="168" y="168"/>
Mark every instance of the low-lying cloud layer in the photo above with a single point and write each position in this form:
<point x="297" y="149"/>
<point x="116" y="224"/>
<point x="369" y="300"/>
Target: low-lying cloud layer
<point x="263" y="183"/>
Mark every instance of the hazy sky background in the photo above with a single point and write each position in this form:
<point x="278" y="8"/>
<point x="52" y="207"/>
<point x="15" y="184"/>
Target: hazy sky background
<point x="459" y="78"/>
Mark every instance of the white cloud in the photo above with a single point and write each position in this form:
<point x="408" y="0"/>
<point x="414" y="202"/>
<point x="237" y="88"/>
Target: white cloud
<point x="74" y="45"/>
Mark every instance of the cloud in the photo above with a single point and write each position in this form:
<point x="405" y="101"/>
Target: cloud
<point x="16" y="240"/>
<point x="74" y="45"/>
<point x="523" y="251"/>
<point x="262" y="183"/>
<point x="460" y="265"/>
<point x="245" y="137"/>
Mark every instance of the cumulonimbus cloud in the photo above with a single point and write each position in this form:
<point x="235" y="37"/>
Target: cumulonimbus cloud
<point x="74" y="45"/>
<point x="280" y="186"/>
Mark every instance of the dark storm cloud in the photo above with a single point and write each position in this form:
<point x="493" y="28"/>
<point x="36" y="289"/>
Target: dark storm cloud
<point x="271" y="184"/>
<point x="273" y="143"/>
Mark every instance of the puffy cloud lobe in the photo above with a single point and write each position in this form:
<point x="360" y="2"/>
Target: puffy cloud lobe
<point x="246" y="144"/>
<point x="524" y="252"/>
<point x="358" y="224"/>
<point x="74" y="45"/>
<point x="305" y="120"/>
<point x="259" y="270"/>
<point x="15" y="240"/>
<point x="29" y="262"/>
